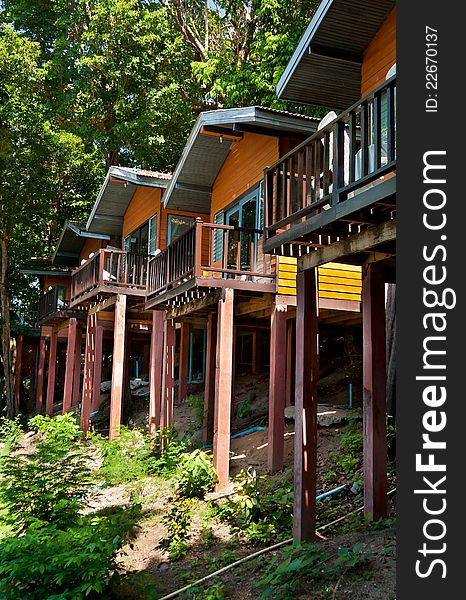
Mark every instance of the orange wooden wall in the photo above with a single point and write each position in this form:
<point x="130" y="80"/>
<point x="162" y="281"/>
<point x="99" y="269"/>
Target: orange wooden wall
<point x="243" y="168"/>
<point x="144" y="204"/>
<point x="380" y="55"/>
<point x="90" y="245"/>
<point x="55" y="281"/>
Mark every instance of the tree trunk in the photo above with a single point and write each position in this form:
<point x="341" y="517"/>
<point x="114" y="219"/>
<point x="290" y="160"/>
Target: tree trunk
<point x="6" y="329"/>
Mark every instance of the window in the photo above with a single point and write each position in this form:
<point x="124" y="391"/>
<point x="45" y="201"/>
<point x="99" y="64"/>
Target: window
<point x="219" y="219"/>
<point x="152" y="235"/>
<point x="137" y="242"/>
<point x="177" y="225"/>
<point x="244" y="214"/>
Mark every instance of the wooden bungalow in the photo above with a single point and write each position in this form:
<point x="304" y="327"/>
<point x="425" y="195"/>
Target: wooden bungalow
<point x="333" y="198"/>
<point x="216" y="276"/>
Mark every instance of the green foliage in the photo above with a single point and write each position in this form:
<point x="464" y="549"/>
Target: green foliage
<point x="261" y="509"/>
<point x="72" y="563"/>
<point x="62" y="429"/>
<point x="50" y="483"/>
<point x="195" y="475"/>
<point x="391" y="435"/>
<point x="213" y="591"/>
<point x="178" y="523"/>
<point x="166" y="452"/>
<point x="299" y="563"/>
<point x="11" y="432"/>
<point x="351" y="441"/>
<point x="245" y="407"/>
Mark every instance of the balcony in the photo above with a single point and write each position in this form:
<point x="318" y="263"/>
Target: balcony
<point x="209" y="256"/>
<point x="109" y="272"/>
<point x="337" y="182"/>
<point x="52" y="304"/>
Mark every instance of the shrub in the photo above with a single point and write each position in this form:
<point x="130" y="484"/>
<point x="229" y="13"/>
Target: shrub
<point x="351" y="459"/>
<point x="166" y="452"/>
<point x="124" y="458"/>
<point x="195" y="475"/>
<point x="48" y="484"/>
<point x="76" y="563"/>
<point x="10" y="433"/>
<point x="62" y="428"/>
<point x="178" y="522"/>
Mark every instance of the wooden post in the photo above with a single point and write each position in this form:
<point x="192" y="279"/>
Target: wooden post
<point x="184" y="363"/>
<point x="77" y="368"/>
<point x="52" y="371"/>
<point x="40" y="376"/>
<point x="88" y="382"/>
<point x="307" y="375"/>
<point x="155" y="372"/>
<point x="99" y="334"/>
<point x="223" y="388"/>
<point x="209" y="389"/>
<point x="256" y="351"/>
<point x="18" y="366"/>
<point x="70" y="366"/>
<point x="118" y="362"/>
<point x="374" y="394"/>
<point x="290" y="362"/>
<point x="168" y="374"/>
<point x="277" y="389"/>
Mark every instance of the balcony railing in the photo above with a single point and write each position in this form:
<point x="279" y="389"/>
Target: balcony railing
<point x="52" y="302"/>
<point x="209" y="250"/>
<point x="110" y="270"/>
<point x="335" y="163"/>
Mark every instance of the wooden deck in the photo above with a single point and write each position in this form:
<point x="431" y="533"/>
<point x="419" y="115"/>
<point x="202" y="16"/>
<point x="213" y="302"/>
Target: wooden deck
<point x="53" y="307"/>
<point x="338" y="182"/>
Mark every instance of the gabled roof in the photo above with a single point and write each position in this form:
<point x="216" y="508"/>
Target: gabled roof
<point x="325" y="68"/>
<point x="210" y="142"/>
<point x="42" y="266"/>
<point x="116" y="194"/>
<point x="71" y="241"/>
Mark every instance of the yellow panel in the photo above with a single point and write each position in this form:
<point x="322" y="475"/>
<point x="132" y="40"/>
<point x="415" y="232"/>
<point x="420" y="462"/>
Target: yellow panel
<point x="339" y="288"/>
<point x="340" y="296"/>
<point x="342" y="266"/>
<point x="287" y="291"/>
<point x="340" y="273"/>
<point x="288" y="268"/>
<point x="340" y="280"/>
<point x="287" y="275"/>
<point x="288" y="260"/>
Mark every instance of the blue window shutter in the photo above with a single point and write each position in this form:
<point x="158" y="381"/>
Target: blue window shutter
<point x="219" y="219"/>
<point x="152" y="235"/>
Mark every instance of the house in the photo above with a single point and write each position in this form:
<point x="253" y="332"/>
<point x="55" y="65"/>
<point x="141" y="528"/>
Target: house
<point x="216" y="277"/>
<point x="333" y="198"/>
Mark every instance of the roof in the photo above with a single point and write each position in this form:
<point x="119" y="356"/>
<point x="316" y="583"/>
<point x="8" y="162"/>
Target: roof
<point x="325" y="68"/>
<point x="210" y="142"/>
<point x="71" y="241"/>
<point x="43" y="266"/>
<point x="116" y="194"/>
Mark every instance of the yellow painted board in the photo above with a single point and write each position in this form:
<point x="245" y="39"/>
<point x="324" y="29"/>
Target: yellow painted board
<point x="287" y="275"/>
<point x="287" y="291"/>
<point x="342" y="266"/>
<point x="339" y="288"/>
<point x="290" y="268"/>
<point x="288" y="260"/>
<point x="335" y="273"/>
<point x="339" y="296"/>
<point x="339" y="280"/>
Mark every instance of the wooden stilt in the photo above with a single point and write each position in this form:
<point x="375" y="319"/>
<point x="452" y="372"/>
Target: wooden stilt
<point x="223" y="388"/>
<point x="70" y="364"/>
<point x="18" y="368"/>
<point x="374" y="395"/>
<point x="168" y="374"/>
<point x="40" y="376"/>
<point x="155" y="372"/>
<point x="307" y="375"/>
<point x="209" y="390"/>
<point x="277" y="389"/>
<point x="119" y="337"/>
<point x="290" y="362"/>
<point x="77" y="368"/>
<point x="52" y="371"/>
<point x="184" y="363"/>
<point x="88" y="382"/>
<point x="256" y="351"/>
<point x="99" y="335"/>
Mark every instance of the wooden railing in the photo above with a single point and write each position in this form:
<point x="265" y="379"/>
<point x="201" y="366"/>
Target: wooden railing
<point x="209" y="250"/>
<point x="352" y="151"/>
<point x="52" y="302"/>
<point x="115" y="270"/>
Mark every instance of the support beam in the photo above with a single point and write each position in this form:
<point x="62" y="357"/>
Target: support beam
<point x="52" y="371"/>
<point x="77" y="368"/>
<point x="40" y="376"/>
<point x="307" y="375"/>
<point x="290" y="362"/>
<point x="374" y="394"/>
<point x="18" y="365"/>
<point x="119" y="337"/>
<point x="99" y="336"/>
<point x="184" y="363"/>
<point x="88" y="382"/>
<point x="168" y="374"/>
<point x="277" y="389"/>
<point x="155" y="370"/>
<point x="256" y="351"/>
<point x="70" y="366"/>
<point x="223" y="386"/>
<point x="209" y="390"/>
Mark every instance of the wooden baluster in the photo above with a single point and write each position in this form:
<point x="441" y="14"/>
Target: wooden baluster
<point x="317" y="148"/>
<point x="326" y="168"/>
<point x="198" y="248"/>
<point x="292" y="207"/>
<point x="268" y="203"/>
<point x="391" y="137"/>
<point x="299" y="191"/>
<point x="338" y="161"/>
<point x="277" y="209"/>
<point x="352" y="148"/>
<point x="377" y="107"/>
<point x="308" y="168"/>
<point x="101" y="264"/>
<point x="364" y="138"/>
<point x="284" y="190"/>
<point x="225" y="249"/>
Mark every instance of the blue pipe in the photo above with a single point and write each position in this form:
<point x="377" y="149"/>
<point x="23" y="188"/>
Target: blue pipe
<point x="240" y="434"/>
<point x="331" y="492"/>
<point x="350" y="395"/>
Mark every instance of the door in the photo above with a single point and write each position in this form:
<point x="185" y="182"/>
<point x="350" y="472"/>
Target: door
<point x="242" y="246"/>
